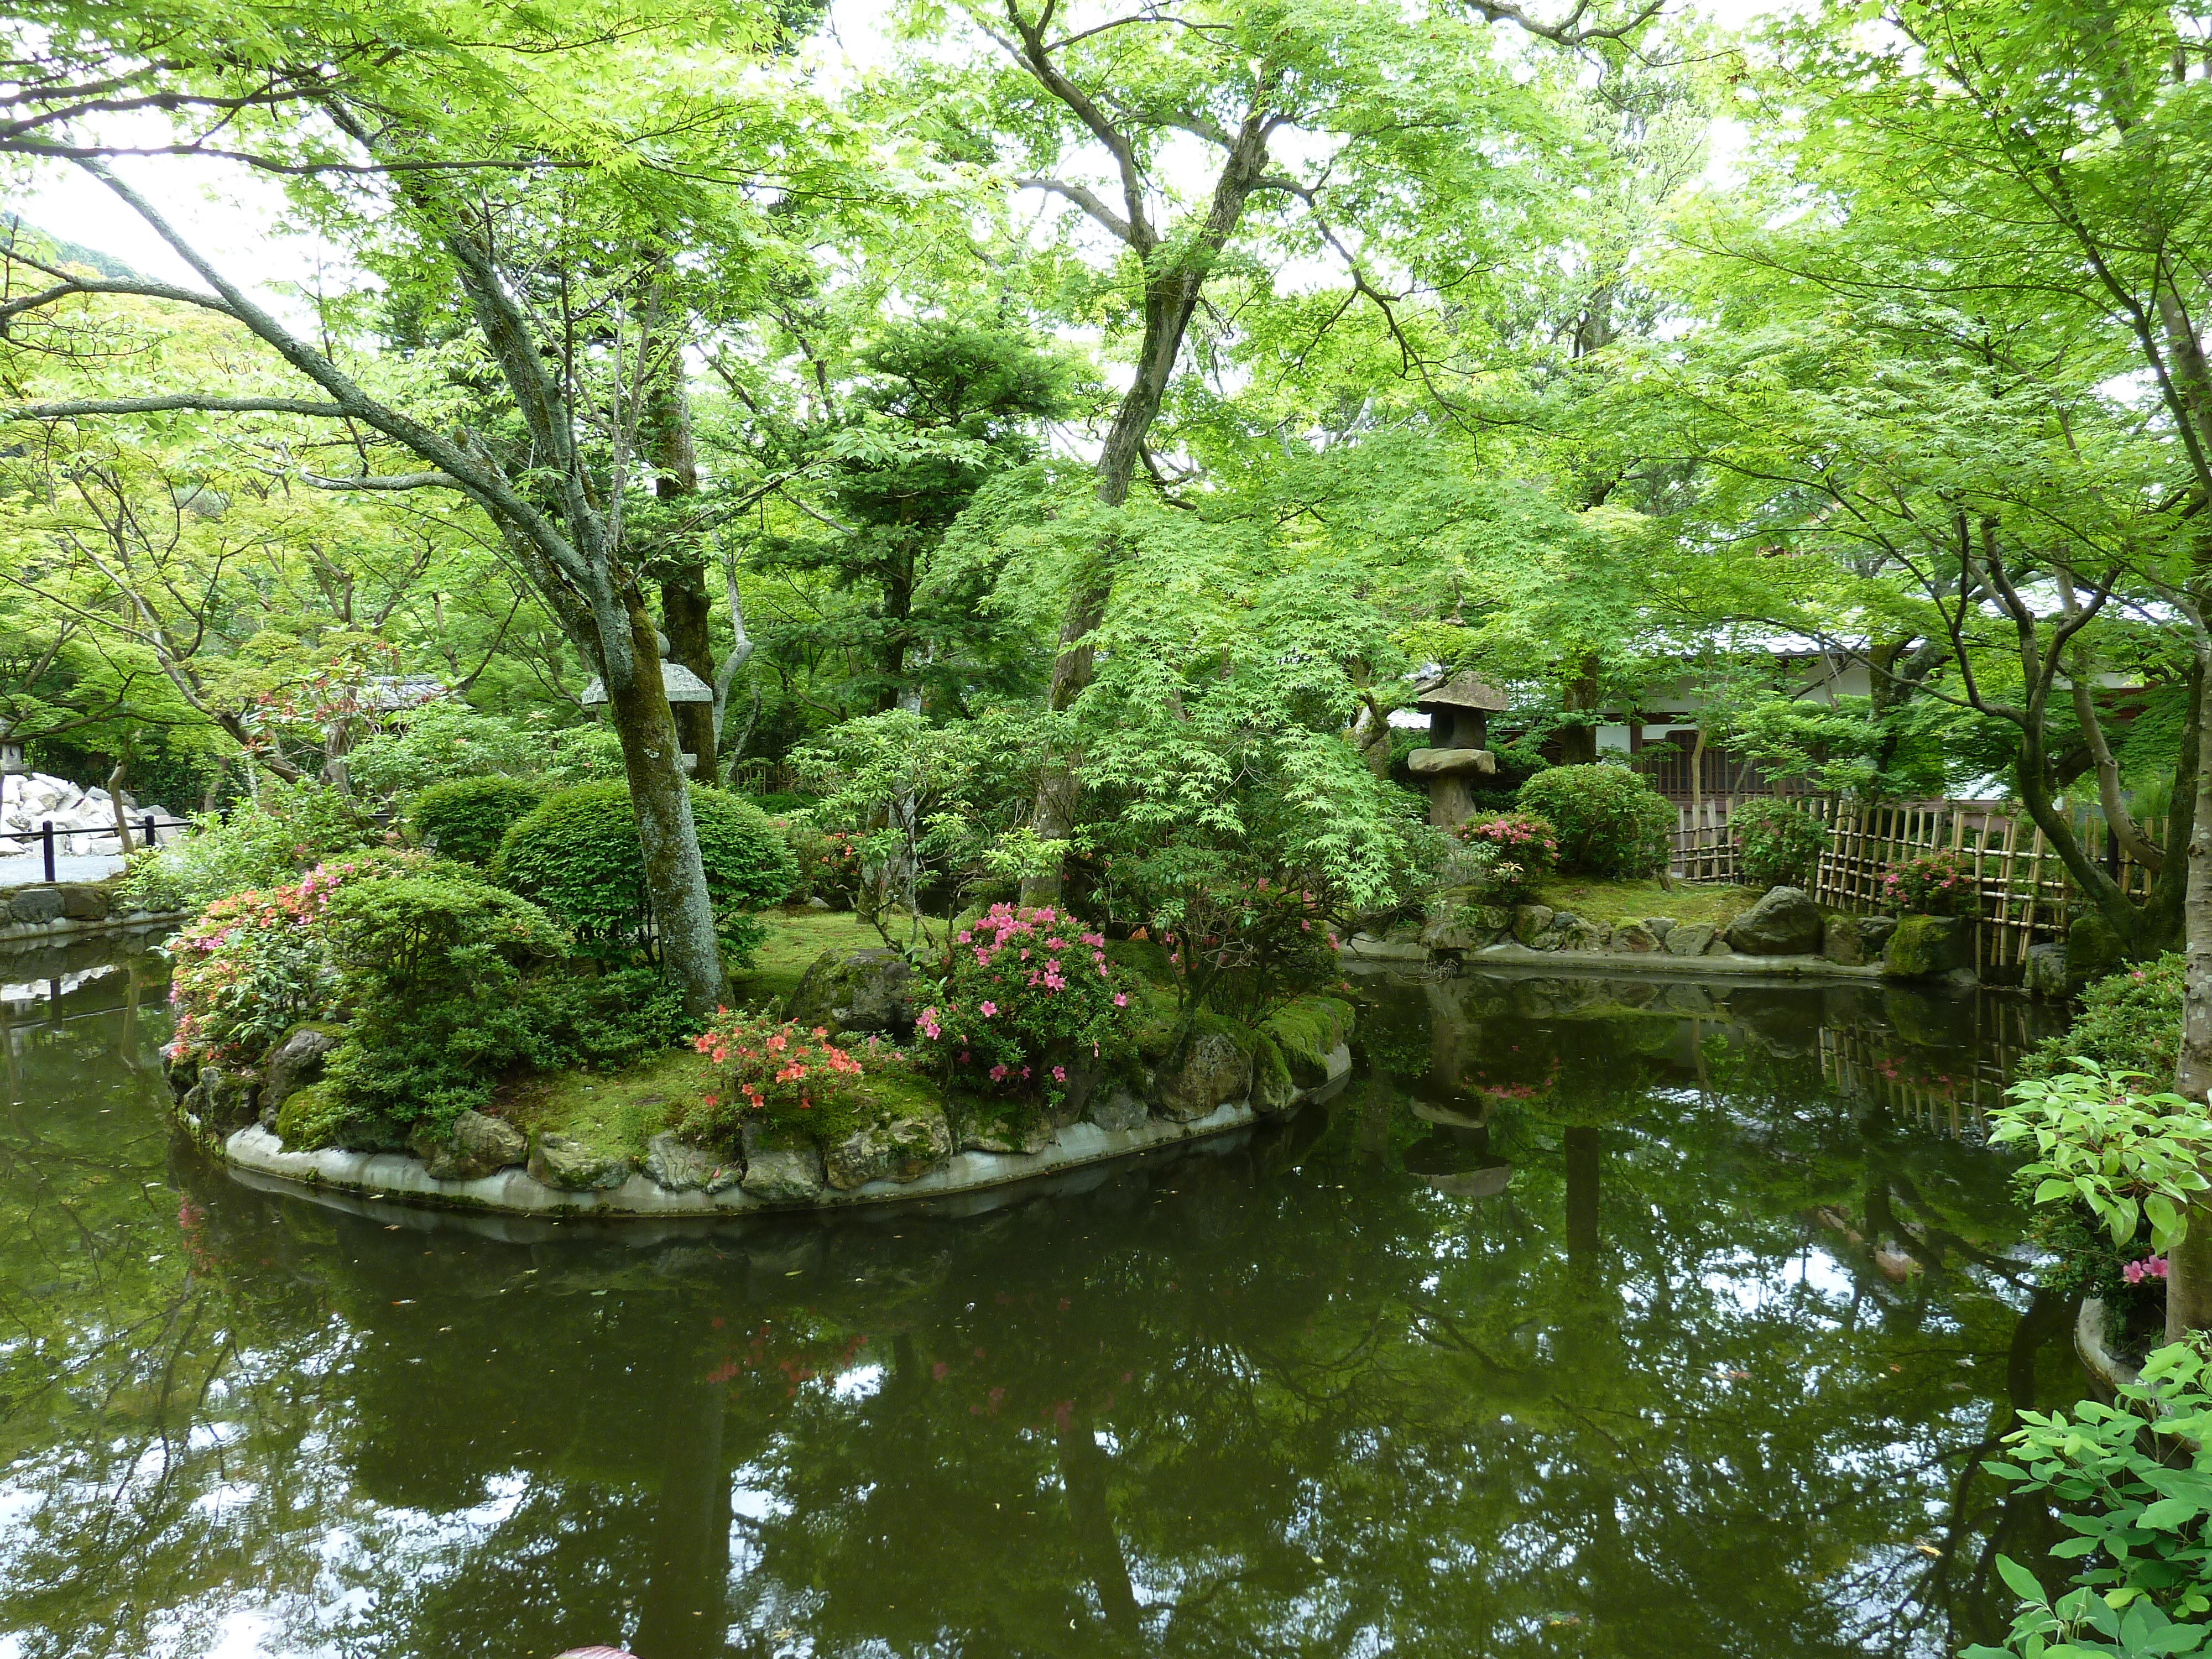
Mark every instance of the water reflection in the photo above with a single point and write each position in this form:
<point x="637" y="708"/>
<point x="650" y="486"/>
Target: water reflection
<point x="1595" y="1317"/>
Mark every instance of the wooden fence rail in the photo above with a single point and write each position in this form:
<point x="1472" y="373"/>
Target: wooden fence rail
<point x="2026" y="894"/>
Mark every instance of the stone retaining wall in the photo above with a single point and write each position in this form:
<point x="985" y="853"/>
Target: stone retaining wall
<point x="405" y="1178"/>
<point x="47" y="912"/>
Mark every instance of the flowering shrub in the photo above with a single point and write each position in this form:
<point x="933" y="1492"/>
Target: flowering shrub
<point x="774" y="1073"/>
<point x="1479" y="870"/>
<point x="1030" y="998"/>
<point x="1520" y="838"/>
<point x="1934" y="884"/>
<point x="258" y="962"/>
<point x="1242" y="948"/>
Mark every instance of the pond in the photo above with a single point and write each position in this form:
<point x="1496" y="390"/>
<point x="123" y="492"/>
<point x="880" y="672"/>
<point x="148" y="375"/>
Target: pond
<point x="1594" y="1317"/>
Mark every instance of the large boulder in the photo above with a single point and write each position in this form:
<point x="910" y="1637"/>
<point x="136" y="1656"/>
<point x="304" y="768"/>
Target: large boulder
<point x="2044" y="974"/>
<point x="863" y="991"/>
<point x="1531" y="922"/>
<point x="1635" y="938"/>
<point x="2093" y="951"/>
<point x="902" y="1147"/>
<point x="1273" y="1089"/>
<point x="1927" y="947"/>
<point x="474" y="1145"/>
<point x="1873" y="935"/>
<point x="1211" y="1066"/>
<point x="293" y="1064"/>
<point x="1690" y="938"/>
<point x="1569" y="932"/>
<point x="1841" y="940"/>
<point x="83" y="902"/>
<point x="223" y="1099"/>
<point x="1468" y="926"/>
<point x="36" y="904"/>
<point x="1785" y="923"/>
<point x="569" y="1164"/>
<point x="680" y="1167"/>
<point x="1309" y="1031"/>
<point x="1116" y="1111"/>
<point x="780" y="1169"/>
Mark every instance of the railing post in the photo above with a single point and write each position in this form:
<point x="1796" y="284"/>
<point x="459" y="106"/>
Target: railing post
<point x="46" y="838"/>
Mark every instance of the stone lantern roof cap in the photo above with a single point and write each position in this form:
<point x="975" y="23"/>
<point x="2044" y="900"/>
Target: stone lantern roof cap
<point x="1460" y="690"/>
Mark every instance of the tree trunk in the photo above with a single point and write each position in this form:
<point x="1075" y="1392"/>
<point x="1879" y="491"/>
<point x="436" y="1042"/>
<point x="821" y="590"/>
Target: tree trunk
<point x="683" y="612"/>
<point x="683" y="604"/>
<point x="115" y="804"/>
<point x="675" y="875"/>
<point x="2189" y="1267"/>
<point x="1578" y="743"/>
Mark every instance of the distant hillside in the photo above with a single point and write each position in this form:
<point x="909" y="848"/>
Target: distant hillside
<point x="51" y="249"/>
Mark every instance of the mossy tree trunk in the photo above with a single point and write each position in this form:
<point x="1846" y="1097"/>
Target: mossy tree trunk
<point x="2189" y="1264"/>
<point x="675" y="875"/>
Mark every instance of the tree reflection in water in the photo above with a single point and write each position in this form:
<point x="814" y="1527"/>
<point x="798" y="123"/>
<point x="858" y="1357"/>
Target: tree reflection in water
<point x="1594" y="1318"/>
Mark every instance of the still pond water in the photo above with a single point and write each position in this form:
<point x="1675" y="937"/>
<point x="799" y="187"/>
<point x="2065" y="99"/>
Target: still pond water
<point x="1594" y="1318"/>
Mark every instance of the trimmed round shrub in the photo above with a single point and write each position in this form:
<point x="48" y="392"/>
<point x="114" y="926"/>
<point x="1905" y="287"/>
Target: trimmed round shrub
<point x="465" y="818"/>
<point x="1777" y="845"/>
<point x="1610" y="821"/>
<point x="577" y="855"/>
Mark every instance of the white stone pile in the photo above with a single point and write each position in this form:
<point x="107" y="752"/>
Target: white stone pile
<point x="83" y="819"/>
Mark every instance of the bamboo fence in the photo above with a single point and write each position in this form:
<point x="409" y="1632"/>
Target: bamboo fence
<point x="2025" y="895"/>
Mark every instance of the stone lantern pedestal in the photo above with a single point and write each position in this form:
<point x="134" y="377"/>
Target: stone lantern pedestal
<point x="1459" y="708"/>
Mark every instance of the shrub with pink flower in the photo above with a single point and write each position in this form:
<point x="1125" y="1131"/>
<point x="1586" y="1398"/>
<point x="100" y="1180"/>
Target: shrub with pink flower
<point x="2151" y="1266"/>
<point x="257" y="964"/>
<point x="1529" y="840"/>
<point x="770" y="1072"/>
<point x="1934" y="884"/>
<point x="1031" y="998"/>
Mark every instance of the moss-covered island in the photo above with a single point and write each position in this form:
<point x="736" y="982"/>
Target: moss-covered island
<point x="859" y="1088"/>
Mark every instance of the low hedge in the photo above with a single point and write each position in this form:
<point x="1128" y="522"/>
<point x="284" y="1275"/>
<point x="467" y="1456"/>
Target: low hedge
<point x="465" y="818"/>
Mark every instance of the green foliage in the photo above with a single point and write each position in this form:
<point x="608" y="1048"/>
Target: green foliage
<point x="577" y="855"/>
<point x="269" y="843"/>
<point x="2130" y="1021"/>
<point x="446" y="740"/>
<point x="1777" y="845"/>
<point x="1610" y="820"/>
<point x="2132" y="1158"/>
<point x="428" y="969"/>
<point x="2138" y="1508"/>
<point x="465" y="818"/>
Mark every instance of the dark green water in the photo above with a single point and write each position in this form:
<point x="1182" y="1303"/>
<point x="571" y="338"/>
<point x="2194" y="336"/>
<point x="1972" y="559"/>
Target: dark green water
<point x="1591" y="1319"/>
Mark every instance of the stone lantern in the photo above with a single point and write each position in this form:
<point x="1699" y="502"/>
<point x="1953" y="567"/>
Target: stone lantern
<point x="679" y="682"/>
<point x="1459" y="708"/>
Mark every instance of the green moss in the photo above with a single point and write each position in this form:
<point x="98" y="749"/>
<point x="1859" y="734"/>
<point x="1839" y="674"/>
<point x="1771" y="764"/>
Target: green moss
<point x="1311" y="1028"/>
<point x="795" y="938"/>
<point x="1271" y="1072"/>
<point x="614" y="1113"/>
<point x="313" y="1118"/>
<point x="1616" y="901"/>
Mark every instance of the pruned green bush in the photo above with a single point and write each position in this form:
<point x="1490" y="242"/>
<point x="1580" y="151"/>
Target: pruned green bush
<point x="465" y="818"/>
<point x="1777" y="845"/>
<point x="577" y="855"/>
<point x="1610" y="821"/>
<point x="2130" y="1021"/>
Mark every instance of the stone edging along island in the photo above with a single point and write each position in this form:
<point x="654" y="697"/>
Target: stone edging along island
<point x="405" y="1178"/>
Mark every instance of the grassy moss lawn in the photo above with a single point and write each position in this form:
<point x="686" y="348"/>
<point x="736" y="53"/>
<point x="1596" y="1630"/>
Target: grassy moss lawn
<point x="1616" y="901"/>
<point x="795" y="938"/>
